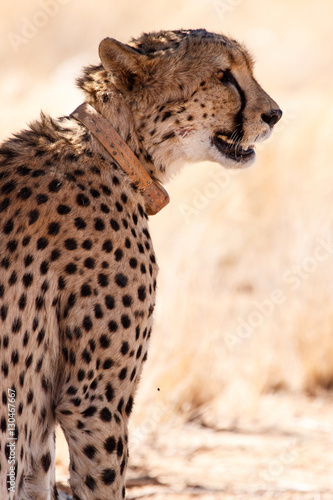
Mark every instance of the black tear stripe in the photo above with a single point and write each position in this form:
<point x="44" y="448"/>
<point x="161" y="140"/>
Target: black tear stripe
<point x="239" y="119"/>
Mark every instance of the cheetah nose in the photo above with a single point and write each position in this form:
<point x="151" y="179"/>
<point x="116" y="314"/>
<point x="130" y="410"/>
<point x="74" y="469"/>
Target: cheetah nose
<point x="272" y="117"/>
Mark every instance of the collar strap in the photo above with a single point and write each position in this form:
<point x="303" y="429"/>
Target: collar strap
<point x="154" y="194"/>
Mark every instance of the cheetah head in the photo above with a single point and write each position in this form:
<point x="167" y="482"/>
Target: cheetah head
<point x="184" y="96"/>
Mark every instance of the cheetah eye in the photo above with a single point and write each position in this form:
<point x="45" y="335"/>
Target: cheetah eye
<point x="224" y="76"/>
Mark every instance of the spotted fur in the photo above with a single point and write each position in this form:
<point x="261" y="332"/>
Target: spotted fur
<point x="77" y="265"/>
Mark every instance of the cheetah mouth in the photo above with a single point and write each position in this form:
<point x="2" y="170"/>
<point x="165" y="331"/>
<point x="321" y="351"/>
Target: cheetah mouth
<point x="231" y="149"/>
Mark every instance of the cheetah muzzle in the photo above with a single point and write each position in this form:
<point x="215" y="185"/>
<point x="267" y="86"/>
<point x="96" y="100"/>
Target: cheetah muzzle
<point x="77" y="264"/>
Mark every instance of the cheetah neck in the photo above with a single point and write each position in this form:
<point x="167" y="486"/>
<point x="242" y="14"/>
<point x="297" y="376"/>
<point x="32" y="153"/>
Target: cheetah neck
<point x="154" y="194"/>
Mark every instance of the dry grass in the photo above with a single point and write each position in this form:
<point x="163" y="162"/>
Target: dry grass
<point x="254" y="239"/>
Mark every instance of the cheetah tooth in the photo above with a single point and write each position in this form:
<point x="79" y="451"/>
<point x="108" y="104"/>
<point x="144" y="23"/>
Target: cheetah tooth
<point x="226" y="139"/>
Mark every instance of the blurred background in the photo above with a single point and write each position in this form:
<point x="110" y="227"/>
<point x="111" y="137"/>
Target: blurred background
<point x="244" y="318"/>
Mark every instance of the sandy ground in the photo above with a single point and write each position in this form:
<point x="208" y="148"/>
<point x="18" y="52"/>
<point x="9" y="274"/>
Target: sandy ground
<point x="283" y="452"/>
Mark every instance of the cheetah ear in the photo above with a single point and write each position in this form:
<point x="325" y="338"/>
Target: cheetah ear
<point x="125" y="64"/>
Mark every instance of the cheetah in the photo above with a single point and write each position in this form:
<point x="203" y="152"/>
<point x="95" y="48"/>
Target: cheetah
<point x="77" y="264"/>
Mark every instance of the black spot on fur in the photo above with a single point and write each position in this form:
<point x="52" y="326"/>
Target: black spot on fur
<point x="90" y="483"/>
<point x="104" y="341"/>
<point x="121" y="280"/>
<point x="108" y="476"/>
<point x="109" y="392"/>
<point x="55" y="185"/>
<point x="9" y="187"/>
<point x="41" y="198"/>
<point x="166" y="115"/>
<point x="46" y="461"/>
<point x="63" y="209"/>
<point x="90" y="451"/>
<point x="89" y="412"/>
<point x="82" y="200"/>
<point x="105" y="415"/>
<point x="24" y="193"/>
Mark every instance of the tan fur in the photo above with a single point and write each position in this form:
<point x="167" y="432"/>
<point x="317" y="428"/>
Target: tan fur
<point x="77" y="266"/>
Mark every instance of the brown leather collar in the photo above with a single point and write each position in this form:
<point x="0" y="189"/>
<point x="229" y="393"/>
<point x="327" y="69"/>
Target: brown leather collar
<point x="154" y="194"/>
